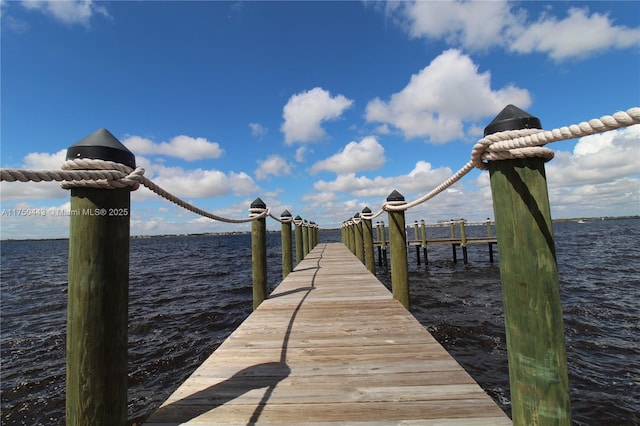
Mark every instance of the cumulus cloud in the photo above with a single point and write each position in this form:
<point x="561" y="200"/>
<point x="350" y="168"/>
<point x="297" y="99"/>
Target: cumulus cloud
<point x="577" y="35"/>
<point x="597" y="159"/>
<point x="257" y="130"/>
<point x="36" y="190"/>
<point x="477" y="26"/>
<point x="68" y="12"/>
<point x="441" y="96"/>
<point x="420" y="180"/>
<point x="305" y="112"/>
<point x="274" y="165"/>
<point x="200" y="183"/>
<point x="367" y="154"/>
<point x="184" y="147"/>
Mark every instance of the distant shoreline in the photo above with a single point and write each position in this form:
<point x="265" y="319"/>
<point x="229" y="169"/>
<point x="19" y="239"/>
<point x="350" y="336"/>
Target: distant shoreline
<point x="211" y="234"/>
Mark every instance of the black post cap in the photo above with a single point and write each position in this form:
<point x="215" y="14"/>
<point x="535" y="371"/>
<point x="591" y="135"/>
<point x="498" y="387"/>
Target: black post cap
<point x="102" y="145"/>
<point x="285" y="213"/>
<point x="366" y="210"/>
<point x="258" y="204"/>
<point x="357" y="215"/>
<point x="298" y="217"/>
<point x="395" y="196"/>
<point x="512" y="118"/>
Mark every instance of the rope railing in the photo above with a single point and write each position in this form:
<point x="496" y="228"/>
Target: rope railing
<point x="528" y="266"/>
<point x="523" y="144"/>
<point x="95" y="173"/>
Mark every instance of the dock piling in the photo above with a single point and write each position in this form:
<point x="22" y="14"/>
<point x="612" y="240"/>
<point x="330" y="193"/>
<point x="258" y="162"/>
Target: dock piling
<point x="96" y="377"/>
<point x="287" y="255"/>
<point x="533" y="313"/>
<point x="298" y="234"/>
<point x="367" y="229"/>
<point x="359" y="237"/>
<point x="258" y="253"/>
<point x="398" y="243"/>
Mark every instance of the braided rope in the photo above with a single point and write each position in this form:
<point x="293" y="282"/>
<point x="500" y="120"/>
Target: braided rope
<point x="95" y="173"/>
<point x="524" y="143"/>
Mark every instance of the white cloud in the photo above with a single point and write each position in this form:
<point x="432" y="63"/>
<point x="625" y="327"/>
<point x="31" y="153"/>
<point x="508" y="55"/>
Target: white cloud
<point x="577" y="35"/>
<point x="257" y="130"/>
<point x="476" y="26"/>
<point x="36" y="190"/>
<point x="441" y="96"/>
<point x="274" y="165"/>
<point x="367" y="154"/>
<point x="199" y="183"/>
<point x="300" y="153"/>
<point x="305" y="112"/>
<point x="68" y="12"/>
<point x="597" y="159"/>
<point x="420" y="180"/>
<point x="184" y="147"/>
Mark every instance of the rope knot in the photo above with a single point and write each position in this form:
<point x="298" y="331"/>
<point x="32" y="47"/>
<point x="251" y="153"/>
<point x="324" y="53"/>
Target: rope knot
<point x="95" y="173"/>
<point x="510" y="144"/>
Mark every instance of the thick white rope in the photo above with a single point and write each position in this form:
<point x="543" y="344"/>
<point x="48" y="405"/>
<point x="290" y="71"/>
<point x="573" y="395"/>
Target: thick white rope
<point x="524" y="143"/>
<point x="94" y="173"/>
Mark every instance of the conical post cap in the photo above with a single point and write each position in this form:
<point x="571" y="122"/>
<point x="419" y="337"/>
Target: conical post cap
<point x="512" y="118"/>
<point x="102" y="145"/>
<point x="258" y="204"/>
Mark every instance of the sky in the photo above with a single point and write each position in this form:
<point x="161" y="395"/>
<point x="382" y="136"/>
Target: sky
<point x="320" y="108"/>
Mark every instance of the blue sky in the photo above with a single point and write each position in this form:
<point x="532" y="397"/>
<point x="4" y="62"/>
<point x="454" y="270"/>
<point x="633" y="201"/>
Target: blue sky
<point x="321" y="108"/>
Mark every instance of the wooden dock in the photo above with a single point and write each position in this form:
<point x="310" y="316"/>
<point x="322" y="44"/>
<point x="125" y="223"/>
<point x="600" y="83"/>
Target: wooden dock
<point x="330" y="346"/>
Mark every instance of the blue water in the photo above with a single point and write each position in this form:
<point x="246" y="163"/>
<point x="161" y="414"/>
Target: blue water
<point x="188" y="293"/>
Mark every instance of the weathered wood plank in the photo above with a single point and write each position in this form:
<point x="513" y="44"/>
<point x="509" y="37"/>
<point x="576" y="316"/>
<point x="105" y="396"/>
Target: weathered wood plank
<point x="330" y="346"/>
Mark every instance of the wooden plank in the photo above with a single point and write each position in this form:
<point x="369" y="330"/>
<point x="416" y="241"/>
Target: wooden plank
<point x="330" y="346"/>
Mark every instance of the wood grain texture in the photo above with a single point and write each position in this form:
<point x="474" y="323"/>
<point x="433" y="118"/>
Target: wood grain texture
<point x="330" y="346"/>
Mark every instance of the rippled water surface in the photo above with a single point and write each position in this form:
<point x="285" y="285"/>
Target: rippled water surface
<point x="188" y="293"/>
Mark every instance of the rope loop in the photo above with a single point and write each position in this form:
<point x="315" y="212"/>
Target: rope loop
<point x="96" y="173"/>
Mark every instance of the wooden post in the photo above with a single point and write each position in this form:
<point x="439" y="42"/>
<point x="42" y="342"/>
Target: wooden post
<point x="530" y="286"/>
<point x="314" y="235"/>
<point x="367" y="227"/>
<point x="298" y="231"/>
<point x="359" y="237"/>
<point x="287" y="244"/>
<point x="96" y="377"/>
<point x="415" y="237"/>
<point x="305" y="238"/>
<point x="423" y="230"/>
<point x="453" y="236"/>
<point x="489" y="234"/>
<point x="352" y="235"/>
<point x="379" y="243"/>
<point x="463" y="242"/>
<point x="398" y="242"/>
<point x="259" y="252"/>
<point x="383" y="234"/>
<point x="343" y="231"/>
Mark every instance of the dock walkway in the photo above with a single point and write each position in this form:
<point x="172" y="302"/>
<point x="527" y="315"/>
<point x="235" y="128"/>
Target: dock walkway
<point x="330" y="346"/>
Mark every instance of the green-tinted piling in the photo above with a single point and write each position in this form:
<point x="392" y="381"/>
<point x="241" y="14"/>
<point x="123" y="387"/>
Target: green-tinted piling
<point x="287" y="244"/>
<point x="259" y="252"/>
<point x="298" y="234"/>
<point x="97" y="310"/>
<point x="398" y="246"/>
<point x="423" y="235"/>
<point x="367" y="230"/>
<point x="359" y="237"/>
<point x="416" y="237"/>
<point x="528" y="269"/>
<point x="305" y="238"/>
